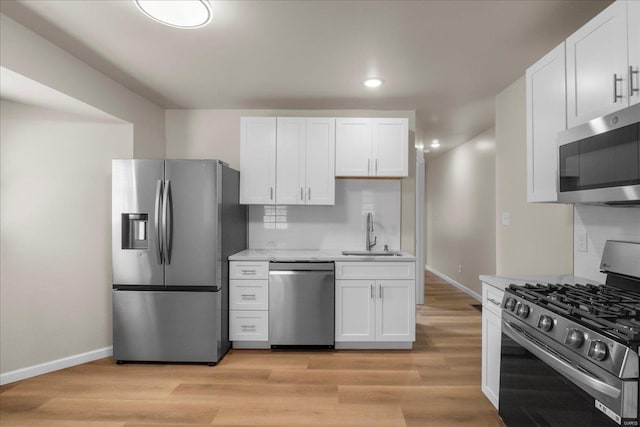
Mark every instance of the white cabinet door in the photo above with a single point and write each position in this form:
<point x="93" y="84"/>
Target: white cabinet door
<point x="395" y="310"/>
<point x="257" y="160"/>
<point x="546" y="116"/>
<point x="320" y="161"/>
<point x="491" y="342"/>
<point x="596" y="55"/>
<point x="355" y="310"/>
<point x="290" y="155"/>
<point x="390" y="147"/>
<point x="353" y="147"/>
<point x="633" y="25"/>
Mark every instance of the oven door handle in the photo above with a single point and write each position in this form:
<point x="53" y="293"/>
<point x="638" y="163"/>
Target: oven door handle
<point x="592" y="384"/>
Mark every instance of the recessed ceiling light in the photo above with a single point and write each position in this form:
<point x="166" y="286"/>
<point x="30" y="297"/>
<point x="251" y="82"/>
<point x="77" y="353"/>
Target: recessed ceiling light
<point x="177" y="13"/>
<point x="435" y="143"/>
<point x="372" y="82"/>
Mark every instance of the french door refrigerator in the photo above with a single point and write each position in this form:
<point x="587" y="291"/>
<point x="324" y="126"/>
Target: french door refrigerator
<point x="174" y="223"/>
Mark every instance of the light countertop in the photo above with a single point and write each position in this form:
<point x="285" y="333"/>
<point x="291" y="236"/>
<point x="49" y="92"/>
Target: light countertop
<point x="503" y="282"/>
<point x="312" y="255"/>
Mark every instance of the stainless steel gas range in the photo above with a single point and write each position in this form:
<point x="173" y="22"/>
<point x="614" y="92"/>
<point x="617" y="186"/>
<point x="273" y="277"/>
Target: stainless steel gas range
<point x="569" y="353"/>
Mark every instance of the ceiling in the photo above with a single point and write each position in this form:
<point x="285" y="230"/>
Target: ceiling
<point x="445" y="59"/>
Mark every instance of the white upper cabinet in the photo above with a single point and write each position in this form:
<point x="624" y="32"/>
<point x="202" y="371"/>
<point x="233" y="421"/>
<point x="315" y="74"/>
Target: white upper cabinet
<point x="633" y="25"/>
<point x="287" y="161"/>
<point x="305" y="155"/>
<point x="290" y="155"/>
<point x="597" y="65"/>
<point x="257" y="160"/>
<point x="546" y="116"/>
<point x="372" y="147"/>
<point x="390" y="147"/>
<point x="320" y="161"/>
<point x="353" y="147"/>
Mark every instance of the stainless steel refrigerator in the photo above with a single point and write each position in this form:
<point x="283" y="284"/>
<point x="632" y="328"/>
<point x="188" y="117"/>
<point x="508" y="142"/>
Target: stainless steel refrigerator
<point x="174" y="224"/>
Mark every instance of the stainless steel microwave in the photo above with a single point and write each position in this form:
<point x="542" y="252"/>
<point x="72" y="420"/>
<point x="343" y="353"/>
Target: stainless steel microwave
<point x="599" y="161"/>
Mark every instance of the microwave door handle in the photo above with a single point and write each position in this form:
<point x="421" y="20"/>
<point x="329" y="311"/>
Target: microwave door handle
<point x="167" y="220"/>
<point x="582" y="379"/>
<point x="158" y="207"/>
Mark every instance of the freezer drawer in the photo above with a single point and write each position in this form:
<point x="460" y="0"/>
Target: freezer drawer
<point x="167" y="326"/>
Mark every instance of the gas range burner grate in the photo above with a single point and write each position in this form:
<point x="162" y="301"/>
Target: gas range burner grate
<point x="607" y="309"/>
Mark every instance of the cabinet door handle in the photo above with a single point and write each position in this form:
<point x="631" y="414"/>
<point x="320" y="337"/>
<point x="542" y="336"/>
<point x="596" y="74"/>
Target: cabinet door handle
<point x="373" y="295"/>
<point x="494" y="301"/>
<point x="309" y="193"/>
<point x="380" y="291"/>
<point x="376" y="167"/>
<point x="368" y="166"/>
<point x="270" y="193"/>
<point x="616" y="79"/>
<point x="301" y="193"/>
<point x="632" y="90"/>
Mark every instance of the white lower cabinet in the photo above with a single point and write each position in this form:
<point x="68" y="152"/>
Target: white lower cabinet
<point x="372" y="310"/>
<point x="491" y="341"/>
<point x="248" y="325"/>
<point x="249" y="304"/>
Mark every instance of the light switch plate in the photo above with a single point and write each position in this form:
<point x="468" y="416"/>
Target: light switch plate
<point x="581" y="241"/>
<point x="506" y="218"/>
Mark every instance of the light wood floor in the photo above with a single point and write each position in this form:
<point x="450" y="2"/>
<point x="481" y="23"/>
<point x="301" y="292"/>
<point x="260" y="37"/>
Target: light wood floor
<point x="435" y="384"/>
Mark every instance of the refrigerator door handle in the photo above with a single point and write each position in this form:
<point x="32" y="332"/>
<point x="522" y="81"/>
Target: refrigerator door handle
<point x="167" y="221"/>
<point x="158" y="206"/>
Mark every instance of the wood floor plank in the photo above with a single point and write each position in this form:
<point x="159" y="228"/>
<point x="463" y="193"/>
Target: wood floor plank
<point x="346" y="415"/>
<point x="437" y="383"/>
<point x="345" y="376"/>
<point x="128" y="410"/>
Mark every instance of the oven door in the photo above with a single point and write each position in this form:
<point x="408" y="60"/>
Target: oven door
<point x="541" y="387"/>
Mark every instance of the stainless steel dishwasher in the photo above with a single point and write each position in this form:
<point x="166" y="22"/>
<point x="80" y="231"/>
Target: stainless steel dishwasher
<point x="301" y="304"/>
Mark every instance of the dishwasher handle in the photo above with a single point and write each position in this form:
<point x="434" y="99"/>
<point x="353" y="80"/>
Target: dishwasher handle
<point x="275" y="267"/>
<point x="298" y="272"/>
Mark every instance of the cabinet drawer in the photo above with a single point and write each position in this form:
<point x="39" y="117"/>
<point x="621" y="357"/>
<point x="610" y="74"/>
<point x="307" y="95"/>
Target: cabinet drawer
<point x="248" y="294"/>
<point x="375" y="270"/>
<point x="492" y="298"/>
<point x="249" y="270"/>
<point x="248" y="325"/>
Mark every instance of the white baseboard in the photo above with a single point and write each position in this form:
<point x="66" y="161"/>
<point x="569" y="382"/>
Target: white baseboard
<point x="54" y="365"/>
<point x="458" y="285"/>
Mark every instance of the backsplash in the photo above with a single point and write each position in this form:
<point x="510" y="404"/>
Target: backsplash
<point x="599" y="224"/>
<point x="331" y="227"/>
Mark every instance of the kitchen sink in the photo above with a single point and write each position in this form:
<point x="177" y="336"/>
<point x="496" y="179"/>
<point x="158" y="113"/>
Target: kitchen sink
<point x="371" y="253"/>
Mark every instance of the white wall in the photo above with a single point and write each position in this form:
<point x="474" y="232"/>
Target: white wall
<point x="599" y="224"/>
<point x="540" y="237"/>
<point x="55" y="263"/>
<point x="461" y="211"/>
<point x="28" y="54"/>
<point x="216" y="134"/>
<point x="331" y="227"/>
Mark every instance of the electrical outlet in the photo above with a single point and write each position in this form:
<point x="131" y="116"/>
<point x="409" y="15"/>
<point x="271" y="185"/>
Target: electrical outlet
<point x="581" y="241"/>
<point x="460" y="268"/>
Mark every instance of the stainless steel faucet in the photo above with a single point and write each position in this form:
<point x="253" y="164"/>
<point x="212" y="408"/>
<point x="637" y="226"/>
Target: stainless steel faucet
<point x="369" y="243"/>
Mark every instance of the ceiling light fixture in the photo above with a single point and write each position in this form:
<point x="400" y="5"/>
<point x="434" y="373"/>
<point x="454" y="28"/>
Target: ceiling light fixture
<point x="435" y="143"/>
<point x="177" y="13"/>
<point x="373" y="82"/>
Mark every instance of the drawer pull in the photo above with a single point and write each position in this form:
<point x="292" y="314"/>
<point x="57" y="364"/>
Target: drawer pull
<point x="248" y="271"/>
<point x="248" y="327"/>
<point x="250" y="296"/>
<point x="494" y="301"/>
